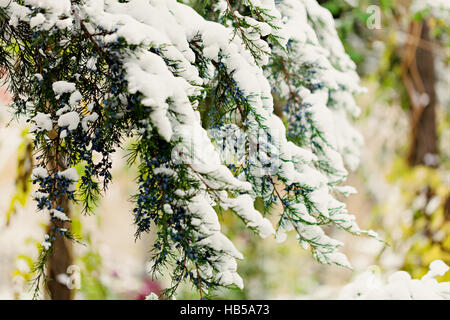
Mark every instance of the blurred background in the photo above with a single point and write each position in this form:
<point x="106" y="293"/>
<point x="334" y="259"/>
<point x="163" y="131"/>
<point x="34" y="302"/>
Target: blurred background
<point x="402" y="50"/>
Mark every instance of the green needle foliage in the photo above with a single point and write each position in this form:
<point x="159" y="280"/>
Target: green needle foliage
<point x="195" y="84"/>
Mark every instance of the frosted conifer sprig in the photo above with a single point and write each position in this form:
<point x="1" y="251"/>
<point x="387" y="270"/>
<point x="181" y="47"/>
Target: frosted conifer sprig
<point x="196" y="93"/>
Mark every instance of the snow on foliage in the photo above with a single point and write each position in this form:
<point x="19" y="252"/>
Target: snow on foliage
<point x="196" y="91"/>
<point x="370" y="285"/>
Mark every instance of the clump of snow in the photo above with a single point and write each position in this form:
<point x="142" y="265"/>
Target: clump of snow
<point x="75" y="98"/>
<point x="55" y="11"/>
<point x="46" y="244"/>
<point x="90" y="118"/>
<point x="39" y="195"/>
<point x="152" y="296"/>
<point x="91" y="63"/>
<point x="437" y="268"/>
<point x="62" y="110"/>
<point x="41" y="122"/>
<point x="399" y="286"/>
<point x="70" y="174"/>
<point x="37" y="20"/>
<point x="60" y="87"/>
<point x="39" y="172"/>
<point x="243" y="206"/>
<point x="39" y="76"/>
<point x="59" y="215"/>
<point x="69" y="120"/>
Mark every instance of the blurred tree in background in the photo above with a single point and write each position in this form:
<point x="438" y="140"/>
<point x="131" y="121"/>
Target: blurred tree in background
<point x="407" y="60"/>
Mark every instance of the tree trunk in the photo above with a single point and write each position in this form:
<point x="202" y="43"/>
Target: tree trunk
<point x="61" y="256"/>
<point x="419" y="78"/>
<point x="60" y="259"/>
<point x="420" y="82"/>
